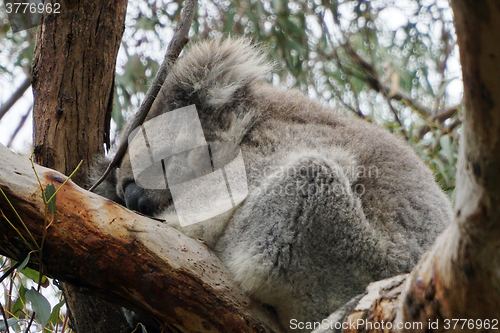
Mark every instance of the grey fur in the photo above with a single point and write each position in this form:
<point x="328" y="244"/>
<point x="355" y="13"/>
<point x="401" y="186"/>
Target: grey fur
<point x="334" y="202"/>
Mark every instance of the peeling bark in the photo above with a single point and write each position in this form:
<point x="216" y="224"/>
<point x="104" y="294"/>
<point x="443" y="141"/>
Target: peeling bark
<point x="136" y="261"/>
<point x="456" y="285"/>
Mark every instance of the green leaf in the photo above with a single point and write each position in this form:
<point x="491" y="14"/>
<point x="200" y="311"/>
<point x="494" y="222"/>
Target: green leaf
<point x="10" y="322"/>
<point x="49" y="192"/>
<point x="21" y="301"/>
<point x="55" y="312"/>
<point x="277" y="5"/>
<point x="34" y="275"/>
<point x="11" y="270"/>
<point x="25" y="262"/>
<point x="40" y="305"/>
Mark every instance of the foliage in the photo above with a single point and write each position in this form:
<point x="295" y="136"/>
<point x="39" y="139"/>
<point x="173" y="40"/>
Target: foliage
<point x="386" y="61"/>
<point x="22" y="300"/>
<point x="391" y="62"/>
<point x="17" y="296"/>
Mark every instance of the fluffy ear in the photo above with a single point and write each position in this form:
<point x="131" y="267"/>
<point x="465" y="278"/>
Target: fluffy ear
<point x="212" y="75"/>
<point x="107" y="188"/>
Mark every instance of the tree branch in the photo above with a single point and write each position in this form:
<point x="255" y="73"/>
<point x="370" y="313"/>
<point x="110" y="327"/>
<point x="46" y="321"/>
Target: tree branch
<point x="441" y="117"/>
<point x="19" y="126"/>
<point x="15" y="97"/>
<point x="179" y="40"/>
<point x="458" y="278"/>
<point x="133" y="260"/>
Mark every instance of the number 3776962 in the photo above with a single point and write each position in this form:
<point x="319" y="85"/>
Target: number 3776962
<point x="33" y="8"/>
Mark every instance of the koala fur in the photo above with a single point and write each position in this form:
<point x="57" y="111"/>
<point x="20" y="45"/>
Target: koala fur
<point x="334" y="202"/>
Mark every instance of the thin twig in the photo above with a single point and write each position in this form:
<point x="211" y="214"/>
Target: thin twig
<point x="65" y="322"/>
<point x="241" y="12"/>
<point x="376" y="84"/>
<point x="370" y="72"/>
<point x="8" y="306"/>
<point x="373" y="79"/>
<point x="21" y="124"/>
<point x="67" y="179"/>
<point x="357" y="111"/>
<point x="4" y="315"/>
<point x="175" y="47"/>
<point x="449" y="129"/>
<point x="30" y="323"/>
<point x="22" y="222"/>
<point x="399" y="95"/>
<point x="15" y="97"/>
<point x="440" y="116"/>
<point x="10" y="270"/>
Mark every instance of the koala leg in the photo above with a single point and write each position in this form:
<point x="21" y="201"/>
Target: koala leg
<point x="301" y="243"/>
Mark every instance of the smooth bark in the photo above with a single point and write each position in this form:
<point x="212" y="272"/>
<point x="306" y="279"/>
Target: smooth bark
<point x="456" y="285"/>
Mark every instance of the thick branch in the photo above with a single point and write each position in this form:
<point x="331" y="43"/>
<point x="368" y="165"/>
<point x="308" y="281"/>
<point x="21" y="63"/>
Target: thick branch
<point x="73" y="74"/>
<point x="367" y="311"/>
<point x="73" y="86"/>
<point x="460" y="273"/>
<point x="136" y="261"/>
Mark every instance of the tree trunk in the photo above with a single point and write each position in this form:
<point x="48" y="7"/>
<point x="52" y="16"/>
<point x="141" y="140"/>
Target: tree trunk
<point x="73" y="80"/>
<point x="459" y="278"/>
<point x="456" y="285"/>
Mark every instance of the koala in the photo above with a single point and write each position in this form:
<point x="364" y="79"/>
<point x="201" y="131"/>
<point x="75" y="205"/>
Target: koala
<point x="333" y="202"/>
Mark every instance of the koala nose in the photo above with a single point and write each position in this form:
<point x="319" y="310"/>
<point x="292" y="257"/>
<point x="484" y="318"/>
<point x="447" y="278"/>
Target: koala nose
<point x="135" y="199"/>
<point x="146" y="206"/>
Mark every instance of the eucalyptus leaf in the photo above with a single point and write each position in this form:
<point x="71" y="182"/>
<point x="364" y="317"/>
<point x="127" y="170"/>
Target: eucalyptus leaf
<point x="55" y="312"/>
<point x="10" y="322"/>
<point x="25" y="262"/>
<point x="19" y="304"/>
<point x="34" y="275"/>
<point x="40" y="306"/>
<point x="49" y="192"/>
<point x="11" y="269"/>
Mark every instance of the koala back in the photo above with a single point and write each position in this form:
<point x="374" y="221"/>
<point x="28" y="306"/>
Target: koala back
<point x="334" y="202"/>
